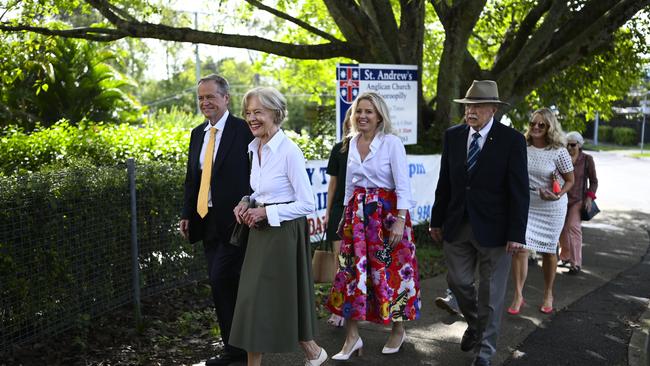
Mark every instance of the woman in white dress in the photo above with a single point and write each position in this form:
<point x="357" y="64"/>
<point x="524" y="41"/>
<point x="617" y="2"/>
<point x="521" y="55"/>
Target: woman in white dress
<point x="548" y="160"/>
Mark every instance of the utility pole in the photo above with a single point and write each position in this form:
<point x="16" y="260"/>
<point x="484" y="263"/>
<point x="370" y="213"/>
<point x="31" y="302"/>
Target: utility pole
<point x="643" y="110"/>
<point x="596" y="128"/>
<point x="198" y="62"/>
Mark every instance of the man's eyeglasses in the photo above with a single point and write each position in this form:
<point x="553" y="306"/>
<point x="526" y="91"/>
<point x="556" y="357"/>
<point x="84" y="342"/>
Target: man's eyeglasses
<point x="572" y="144"/>
<point x="541" y="125"/>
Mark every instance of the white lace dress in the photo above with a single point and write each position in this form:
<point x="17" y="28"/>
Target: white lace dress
<point x="546" y="218"/>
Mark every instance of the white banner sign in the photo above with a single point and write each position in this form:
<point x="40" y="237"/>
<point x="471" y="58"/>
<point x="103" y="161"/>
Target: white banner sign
<point x="397" y="84"/>
<point x="423" y="171"/>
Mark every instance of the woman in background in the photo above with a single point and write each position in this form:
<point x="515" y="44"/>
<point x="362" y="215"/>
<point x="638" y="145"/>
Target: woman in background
<point x="581" y="195"/>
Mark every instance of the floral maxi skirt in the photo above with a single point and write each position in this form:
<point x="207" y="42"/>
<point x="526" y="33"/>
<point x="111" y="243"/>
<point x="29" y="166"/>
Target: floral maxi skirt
<point x="375" y="282"/>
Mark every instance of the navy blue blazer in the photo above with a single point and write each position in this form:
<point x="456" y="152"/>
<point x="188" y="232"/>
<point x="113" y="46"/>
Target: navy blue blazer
<point x="494" y="197"/>
<point x="230" y="178"/>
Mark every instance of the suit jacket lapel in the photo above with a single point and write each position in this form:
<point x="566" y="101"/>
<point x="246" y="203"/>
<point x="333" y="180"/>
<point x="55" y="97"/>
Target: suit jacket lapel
<point x="227" y="138"/>
<point x="195" y="153"/>
<point x="461" y="145"/>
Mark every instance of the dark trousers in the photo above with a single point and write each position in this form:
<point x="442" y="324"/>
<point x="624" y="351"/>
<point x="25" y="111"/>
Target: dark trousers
<point x="483" y="308"/>
<point x="224" y="266"/>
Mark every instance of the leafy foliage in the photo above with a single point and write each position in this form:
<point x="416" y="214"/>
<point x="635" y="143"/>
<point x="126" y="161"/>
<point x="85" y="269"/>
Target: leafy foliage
<point x="605" y="133"/>
<point x="165" y="138"/>
<point x="99" y="144"/>
<point x="45" y="79"/>
<point x="624" y="136"/>
<point x="74" y="225"/>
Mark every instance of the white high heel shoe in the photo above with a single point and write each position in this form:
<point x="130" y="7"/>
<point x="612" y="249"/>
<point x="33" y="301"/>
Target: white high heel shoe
<point x="322" y="357"/>
<point x="390" y="351"/>
<point x="358" y="347"/>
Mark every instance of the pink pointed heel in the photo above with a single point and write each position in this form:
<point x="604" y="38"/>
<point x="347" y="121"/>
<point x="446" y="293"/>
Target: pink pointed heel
<point x="513" y="311"/>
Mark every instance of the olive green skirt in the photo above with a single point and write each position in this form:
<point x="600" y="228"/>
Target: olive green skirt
<point x="275" y="301"/>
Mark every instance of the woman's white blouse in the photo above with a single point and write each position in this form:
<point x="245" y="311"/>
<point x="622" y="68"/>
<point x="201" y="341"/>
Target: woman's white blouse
<point x="384" y="167"/>
<point x="281" y="177"/>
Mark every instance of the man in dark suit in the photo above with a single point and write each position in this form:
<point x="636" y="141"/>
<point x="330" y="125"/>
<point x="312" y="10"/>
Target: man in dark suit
<point x="217" y="178"/>
<point x="480" y="211"/>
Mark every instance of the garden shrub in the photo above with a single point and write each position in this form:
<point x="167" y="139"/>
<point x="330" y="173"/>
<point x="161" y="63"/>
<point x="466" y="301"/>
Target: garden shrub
<point x="65" y="246"/>
<point x="605" y="133"/>
<point x="107" y="145"/>
<point x="624" y="136"/>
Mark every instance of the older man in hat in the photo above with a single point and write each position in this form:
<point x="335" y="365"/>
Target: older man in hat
<point x="480" y="212"/>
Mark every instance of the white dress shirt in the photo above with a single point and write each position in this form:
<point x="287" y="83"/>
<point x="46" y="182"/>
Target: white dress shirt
<point x="483" y="132"/>
<point x="384" y="167"/>
<point x="282" y="177"/>
<point x="221" y="123"/>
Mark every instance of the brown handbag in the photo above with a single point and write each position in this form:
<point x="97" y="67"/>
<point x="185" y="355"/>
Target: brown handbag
<point x="323" y="262"/>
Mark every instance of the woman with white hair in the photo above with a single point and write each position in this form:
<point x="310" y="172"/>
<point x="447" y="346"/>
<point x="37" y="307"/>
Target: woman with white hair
<point x="275" y="308"/>
<point x="581" y="196"/>
<point x="378" y="279"/>
<point x="548" y="161"/>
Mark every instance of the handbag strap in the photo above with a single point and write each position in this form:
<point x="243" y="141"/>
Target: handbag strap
<point x="584" y="178"/>
<point x="250" y="168"/>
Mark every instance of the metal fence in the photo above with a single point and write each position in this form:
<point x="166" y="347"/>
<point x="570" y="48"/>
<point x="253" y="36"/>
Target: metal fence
<point x="67" y="251"/>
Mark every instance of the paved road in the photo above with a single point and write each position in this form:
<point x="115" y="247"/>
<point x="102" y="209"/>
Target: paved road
<point x="596" y="310"/>
<point x="624" y="182"/>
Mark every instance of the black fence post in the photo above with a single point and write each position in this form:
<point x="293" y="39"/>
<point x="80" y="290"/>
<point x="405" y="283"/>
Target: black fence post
<point x="130" y="163"/>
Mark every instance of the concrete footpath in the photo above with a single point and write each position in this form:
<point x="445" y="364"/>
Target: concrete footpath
<point x="602" y="315"/>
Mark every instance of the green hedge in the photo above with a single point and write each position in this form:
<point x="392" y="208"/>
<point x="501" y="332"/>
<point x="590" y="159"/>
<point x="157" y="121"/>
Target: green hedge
<point x="624" y="136"/>
<point x="106" y="145"/>
<point x="605" y="133"/>
<point x="100" y="144"/>
<point x="65" y="247"/>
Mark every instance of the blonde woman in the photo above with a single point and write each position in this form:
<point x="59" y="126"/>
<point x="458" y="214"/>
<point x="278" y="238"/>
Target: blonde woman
<point x="548" y="160"/>
<point x="378" y="277"/>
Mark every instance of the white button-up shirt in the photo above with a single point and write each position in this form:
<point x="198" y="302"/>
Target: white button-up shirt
<point x="221" y="123"/>
<point x="384" y="167"/>
<point x="282" y="177"/>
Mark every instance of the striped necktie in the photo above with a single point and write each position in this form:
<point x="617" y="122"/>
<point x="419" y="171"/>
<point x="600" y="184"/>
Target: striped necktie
<point x="206" y="174"/>
<point x="472" y="153"/>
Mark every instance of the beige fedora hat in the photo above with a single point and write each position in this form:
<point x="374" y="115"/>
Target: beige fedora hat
<point x="481" y="91"/>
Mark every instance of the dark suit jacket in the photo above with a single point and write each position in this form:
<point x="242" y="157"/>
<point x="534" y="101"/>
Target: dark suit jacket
<point x="230" y="178"/>
<point x="494" y="196"/>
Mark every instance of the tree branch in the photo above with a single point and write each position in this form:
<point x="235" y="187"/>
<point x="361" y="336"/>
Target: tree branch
<point x="458" y="20"/>
<point x="589" y="39"/>
<point x="167" y="33"/>
<point x="359" y="24"/>
<point x="104" y="7"/>
<point x="383" y="18"/>
<point x="411" y="32"/>
<point x="583" y="20"/>
<point x="536" y="45"/>
<point x="89" y="33"/>
<point x="298" y="22"/>
<point x="124" y="14"/>
<point x="345" y="14"/>
<point x="509" y="50"/>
